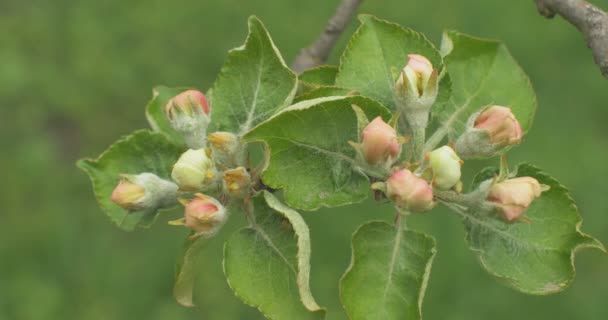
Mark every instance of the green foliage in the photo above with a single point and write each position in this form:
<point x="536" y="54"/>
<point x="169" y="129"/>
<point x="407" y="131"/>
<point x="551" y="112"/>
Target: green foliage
<point x="268" y="263"/>
<point x="143" y="151"/>
<point x="317" y="143"/>
<point x="388" y="273"/>
<point x="535" y="257"/>
<point x="320" y="76"/>
<point x="186" y="271"/>
<point x="253" y="83"/>
<point x="313" y="160"/>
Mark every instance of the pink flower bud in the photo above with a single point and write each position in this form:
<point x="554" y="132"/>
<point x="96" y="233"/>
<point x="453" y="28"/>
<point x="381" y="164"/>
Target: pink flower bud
<point x="513" y="196"/>
<point x="501" y="125"/>
<point x="418" y="70"/>
<point x="489" y="133"/>
<point x="128" y="195"/>
<point x="416" y="90"/>
<point x="188" y="114"/>
<point x="379" y="145"/>
<point x="204" y="215"/>
<point x="409" y="192"/>
<point x="187" y="102"/>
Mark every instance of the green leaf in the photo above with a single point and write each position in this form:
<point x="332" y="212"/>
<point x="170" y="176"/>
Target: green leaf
<point x="268" y="263"/>
<point x="321" y="76"/>
<point x="143" y="151"/>
<point x="310" y="158"/>
<point x="156" y="115"/>
<point x="388" y="274"/>
<point x="253" y="83"/>
<point x="321" y="92"/>
<point x="185" y="271"/>
<point x="375" y="55"/>
<point x="535" y="257"/>
<point x="482" y="73"/>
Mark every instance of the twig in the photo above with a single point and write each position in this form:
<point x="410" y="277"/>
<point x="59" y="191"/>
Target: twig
<point x="318" y="51"/>
<point x="590" y="20"/>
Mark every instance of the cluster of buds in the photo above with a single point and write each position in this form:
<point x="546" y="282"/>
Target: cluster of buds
<point x="194" y="170"/>
<point x="199" y="169"/>
<point x="380" y="146"/>
<point x="143" y="191"/>
<point x="417" y="88"/>
<point x="189" y="114"/>
<point x="512" y="197"/>
<point x="490" y="132"/>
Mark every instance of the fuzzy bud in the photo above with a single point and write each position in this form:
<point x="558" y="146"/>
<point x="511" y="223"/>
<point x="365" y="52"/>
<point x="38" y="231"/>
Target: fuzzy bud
<point x="143" y="191"/>
<point x="237" y="182"/>
<point x="204" y="215"/>
<point x="512" y="197"/>
<point x="379" y="144"/>
<point x="194" y="170"/>
<point x="226" y="149"/>
<point x="188" y="114"/>
<point x="445" y="164"/>
<point x="417" y="89"/>
<point x="489" y="133"/>
<point x="409" y="192"/>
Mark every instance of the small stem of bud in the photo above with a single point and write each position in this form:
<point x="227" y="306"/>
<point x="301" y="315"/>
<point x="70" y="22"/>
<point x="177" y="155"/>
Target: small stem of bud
<point x="418" y="139"/>
<point x="504" y="168"/>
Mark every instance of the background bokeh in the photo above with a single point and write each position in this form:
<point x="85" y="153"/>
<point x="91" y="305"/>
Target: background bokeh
<point x="75" y="75"/>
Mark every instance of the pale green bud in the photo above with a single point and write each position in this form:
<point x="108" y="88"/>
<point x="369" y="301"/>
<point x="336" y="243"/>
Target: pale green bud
<point x="144" y="191"/>
<point x="194" y="170"/>
<point x="445" y="164"/>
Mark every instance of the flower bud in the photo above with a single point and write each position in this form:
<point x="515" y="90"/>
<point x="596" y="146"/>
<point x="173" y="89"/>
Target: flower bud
<point x="237" y="182"/>
<point x="204" y="215"/>
<point x="194" y="170"/>
<point x="489" y="133"/>
<point x="512" y="197"/>
<point x="143" y="191"/>
<point x="409" y="192"/>
<point x="188" y="114"/>
<point x="379" y="144"/>
<point x="226" y="149"/>
<point x="417" y="88"/>
<point x="446" y="167"/>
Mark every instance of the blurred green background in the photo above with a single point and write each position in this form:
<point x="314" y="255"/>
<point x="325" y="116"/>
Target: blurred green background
<point x="75" y="75"/>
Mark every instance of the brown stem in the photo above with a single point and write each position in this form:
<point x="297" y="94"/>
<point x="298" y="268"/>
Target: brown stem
<point x="318" y="51"/>
<point x="590" y="20"/>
